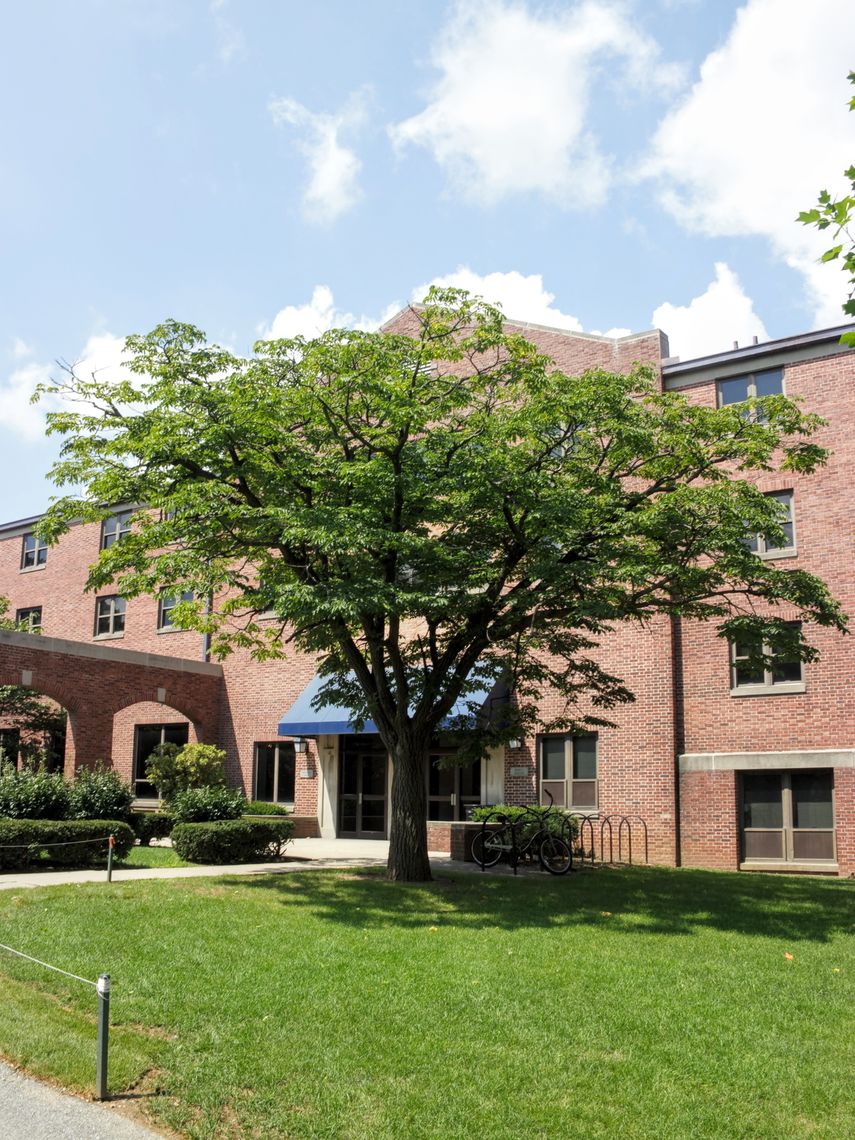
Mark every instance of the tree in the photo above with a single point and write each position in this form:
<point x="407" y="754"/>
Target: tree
<point x="430" y="514"/>
<point x="837" y="216"/>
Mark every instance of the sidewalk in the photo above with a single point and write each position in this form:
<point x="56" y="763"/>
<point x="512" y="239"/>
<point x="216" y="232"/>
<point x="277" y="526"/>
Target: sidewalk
<point x="30" y="1110"/>
<point x="301" y="855"/>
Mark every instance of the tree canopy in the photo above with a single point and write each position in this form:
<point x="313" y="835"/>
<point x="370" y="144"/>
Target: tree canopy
<point x="836" y="214"/>
<point x="431" y="513"/>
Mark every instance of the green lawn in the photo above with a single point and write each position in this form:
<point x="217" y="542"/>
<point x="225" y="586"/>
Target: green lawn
<point x="153" y="857"/>
<point x="637" y="1003"/>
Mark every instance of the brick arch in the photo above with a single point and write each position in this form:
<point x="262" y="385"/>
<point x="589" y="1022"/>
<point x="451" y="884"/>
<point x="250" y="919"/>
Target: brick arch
<point x="95" y="682"/>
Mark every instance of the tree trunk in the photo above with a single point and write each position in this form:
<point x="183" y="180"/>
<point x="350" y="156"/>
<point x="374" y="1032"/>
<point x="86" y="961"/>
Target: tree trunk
<point x="408" y="850"/>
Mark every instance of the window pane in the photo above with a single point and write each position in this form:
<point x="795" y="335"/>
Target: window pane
<point x="761" y="800"/>
<point x="785" y="498"/>
<point x="769" y="383"/>
<point x="470" y="780"/>
<point x="264" y="756"/>
<point x="733" y="391"/>
<point x="175" y="734"/>
<point x="552" y="758"/>
<point x="585" y="758"/>
<point x="287" y="764"/>
<point x="812" y="799"/>
<point x="440" y="780"/>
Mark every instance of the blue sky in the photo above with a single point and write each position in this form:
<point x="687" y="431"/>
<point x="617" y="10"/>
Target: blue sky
<point x="266" y="168"/>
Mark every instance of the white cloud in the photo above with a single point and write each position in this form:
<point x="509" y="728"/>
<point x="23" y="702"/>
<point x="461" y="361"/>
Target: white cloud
<point x="508" y="113"/>
<point x="20" y="349"/>
<point x="764" y="129"/>
<point x="713" y="321"/>
<point x="318" y="316"/>
<point x="102" y="354"/>
<point x="333" y="186"/>
<point x="522" y="298"/>
<point x="231" y="45"/>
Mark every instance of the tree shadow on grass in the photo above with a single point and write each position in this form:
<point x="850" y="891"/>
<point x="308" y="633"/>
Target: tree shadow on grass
<point x="634" y="900"/>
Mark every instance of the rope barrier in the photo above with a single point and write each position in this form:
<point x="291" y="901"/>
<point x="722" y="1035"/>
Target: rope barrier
<point x="63" y="843"/>
<point x="47" y="965"/>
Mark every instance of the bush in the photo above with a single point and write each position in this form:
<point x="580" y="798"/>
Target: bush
<point x="33" y="793"/>
<point x="206" y="805"/>
<point x="173" y="770"/>
<point x="26" y="841"/>
<point x="559" y="821"/>
<point x="260" y="807"/>
<point x="150" y="825"/>
<point x="231" y="841"/>
<point x="99" y="793"/>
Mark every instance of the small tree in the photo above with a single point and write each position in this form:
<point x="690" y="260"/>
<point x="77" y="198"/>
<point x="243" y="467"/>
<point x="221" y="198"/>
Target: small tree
<point x="172" y="769"/>
<point x="432" y="513"/>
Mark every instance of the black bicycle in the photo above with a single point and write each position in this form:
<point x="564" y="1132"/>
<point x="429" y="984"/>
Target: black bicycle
<point x="517" y="838"/>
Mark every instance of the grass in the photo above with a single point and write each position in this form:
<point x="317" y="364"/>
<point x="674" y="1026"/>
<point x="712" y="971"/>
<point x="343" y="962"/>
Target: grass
<point x="641" y="1003"/>
<point x="153" y="857"/>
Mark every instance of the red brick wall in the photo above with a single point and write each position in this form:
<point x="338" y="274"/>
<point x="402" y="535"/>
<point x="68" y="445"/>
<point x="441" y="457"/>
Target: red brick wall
<point x="709" y="832"/>
<point x="844" y="810"/>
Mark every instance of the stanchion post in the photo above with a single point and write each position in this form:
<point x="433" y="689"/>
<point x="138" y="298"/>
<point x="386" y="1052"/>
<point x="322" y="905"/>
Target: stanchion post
<point x="111" y="843"/>
<point x="103" y="1035"/>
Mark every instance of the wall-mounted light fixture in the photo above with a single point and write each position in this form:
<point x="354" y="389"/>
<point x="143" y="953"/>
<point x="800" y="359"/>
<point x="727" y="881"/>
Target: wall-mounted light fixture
<point x="515" y="743"/>
<point x="301" y="745"/>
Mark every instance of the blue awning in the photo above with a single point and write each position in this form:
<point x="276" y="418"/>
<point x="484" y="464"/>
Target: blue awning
<point x="303" y="720"/>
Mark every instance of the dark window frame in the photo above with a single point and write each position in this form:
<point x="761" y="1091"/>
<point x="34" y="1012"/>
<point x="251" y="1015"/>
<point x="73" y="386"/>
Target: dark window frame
<point x="770" y="684"/>
<point x="750" y="379"/>
<point x="279" y="747"/>
<point x="758" y="542"/>
<point x="34" y="552"/>
<point x="115" y="528"/>
<point x="788" y="830"/>
<point x="166" y="603"/>
<point x="573" y="784"/>
<point x="24" y="616"/>
<point x="110" y="609"/>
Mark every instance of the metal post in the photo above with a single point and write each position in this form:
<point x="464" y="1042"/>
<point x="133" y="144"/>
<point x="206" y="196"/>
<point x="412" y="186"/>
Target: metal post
<point x="111" y="843"/>
<point x="103" y="1035"/>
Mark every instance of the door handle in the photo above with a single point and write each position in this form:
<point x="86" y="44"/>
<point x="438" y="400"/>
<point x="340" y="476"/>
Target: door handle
<point x="359" y="799"/>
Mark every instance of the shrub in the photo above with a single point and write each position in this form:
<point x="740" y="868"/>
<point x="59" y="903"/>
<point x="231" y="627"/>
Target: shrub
<point x="232" y="841"/>
<point x="559" y="821"/>
<point x="100" y="793"/>
<point x="205" y="805"/>
<point x="260" y="807"/>
<point x="173" y="770"/>
<point x="27" y="841"/>
<point x="150" y="825"/>
<point x="33" y="793"/>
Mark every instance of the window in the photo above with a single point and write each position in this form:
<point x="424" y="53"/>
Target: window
<point x="115" y="528"/>
<point x="747" y="675"/>
<point x="568" y="771"/>
<point x="30" y="619"/>
<point x="167" y="604"/>
<point x="274" y="772"/>
<point x="10" y="747"/>
<point x="147" y="738"/>
<point x="788" y="816"/>
<point x="34" y="553"/>
<point x="110" y="616"/>
<point x="751" y="387"/>
<point x="451" y="789"/>
<point x="762" y="545"/>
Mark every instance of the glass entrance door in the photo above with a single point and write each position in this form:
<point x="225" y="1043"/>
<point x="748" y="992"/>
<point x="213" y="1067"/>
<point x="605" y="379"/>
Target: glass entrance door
<point x="451" y="790"/>
<point x="362" y="787"/>
<point x="788" y="817"/>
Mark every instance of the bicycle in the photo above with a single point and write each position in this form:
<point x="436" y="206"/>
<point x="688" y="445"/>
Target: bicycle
<point x="489" y="846"/>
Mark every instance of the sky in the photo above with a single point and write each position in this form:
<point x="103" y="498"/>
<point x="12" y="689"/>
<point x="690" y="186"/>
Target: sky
<point x="270" y="168"/>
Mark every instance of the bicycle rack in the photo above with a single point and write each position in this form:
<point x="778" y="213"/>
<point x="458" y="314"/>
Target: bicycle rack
<point x="591" y="832"/>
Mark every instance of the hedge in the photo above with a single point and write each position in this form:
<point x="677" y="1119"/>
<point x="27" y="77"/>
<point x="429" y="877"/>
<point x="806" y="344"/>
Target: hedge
<point x="262" y="807"/>
<point x="27" y="841"/>
<point x="232" y="840"/>
<point x="150" y="825"/>
<point x="206" y="805"/>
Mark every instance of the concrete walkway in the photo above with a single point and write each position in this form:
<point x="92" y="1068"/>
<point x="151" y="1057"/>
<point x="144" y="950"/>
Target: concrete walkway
<point x="301" y="855"/>
<point x="30" y="1110"/>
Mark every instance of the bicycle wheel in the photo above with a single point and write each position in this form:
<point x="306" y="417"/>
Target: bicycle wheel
<point x="555" y="855"/>
<point x="487" y="847"/>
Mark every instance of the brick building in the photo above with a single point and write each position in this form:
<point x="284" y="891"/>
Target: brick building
<point x="728" y="768"/>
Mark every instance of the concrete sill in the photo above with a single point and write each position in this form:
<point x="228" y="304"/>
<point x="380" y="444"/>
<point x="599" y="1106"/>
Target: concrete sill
<point x="32" y="569"/>
<point x="784" y="688"/>
<point x="107" y="636"/>
<point x="779" y="866"/>
<point x="784" y="552"/>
